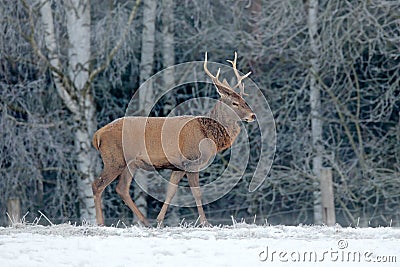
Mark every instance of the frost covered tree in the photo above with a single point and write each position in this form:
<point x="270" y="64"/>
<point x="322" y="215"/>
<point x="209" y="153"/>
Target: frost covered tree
<point x="344" y="51"/>
<point x="315" y="103"/>
<point x="146" y="95"/>
<point x="73" y="74"/>
<point x="73" y="86"/>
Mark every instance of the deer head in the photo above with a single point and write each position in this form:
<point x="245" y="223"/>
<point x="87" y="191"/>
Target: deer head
<point x="229" y="97"/>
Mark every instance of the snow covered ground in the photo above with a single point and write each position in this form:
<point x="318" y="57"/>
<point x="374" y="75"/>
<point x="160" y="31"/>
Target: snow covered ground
<point x="239" y="245"/>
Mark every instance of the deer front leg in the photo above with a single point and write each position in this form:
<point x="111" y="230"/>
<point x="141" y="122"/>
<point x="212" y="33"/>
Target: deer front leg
<point x="193" y="178"/>
<point x="176" y="176"/>
<point x="123" y="191"/>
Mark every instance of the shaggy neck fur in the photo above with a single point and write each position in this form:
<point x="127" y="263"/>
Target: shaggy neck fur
<point x="221" y="126"/>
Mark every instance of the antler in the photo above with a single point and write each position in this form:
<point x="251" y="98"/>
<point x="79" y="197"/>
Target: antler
<point x="239" y="78"/>
<point x="214" y="78"/>
<point x="224" y="83"/>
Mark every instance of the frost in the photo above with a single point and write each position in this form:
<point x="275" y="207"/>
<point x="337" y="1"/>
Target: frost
<point x="239" y="245"/>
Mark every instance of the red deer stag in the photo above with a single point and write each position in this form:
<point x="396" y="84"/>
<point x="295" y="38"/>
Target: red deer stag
<point x="184" y="144"/>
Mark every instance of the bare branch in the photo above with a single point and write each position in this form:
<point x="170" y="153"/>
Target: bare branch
<point x="64" y="85"/>
<point x="115" y="49"/>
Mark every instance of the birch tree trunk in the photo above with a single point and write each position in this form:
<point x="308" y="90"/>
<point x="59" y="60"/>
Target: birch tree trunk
<point x="315" y="101"/>
<point x="75" y="92"/>
<point x="147" y="53"/>
<point x="74" y="85"/>
<point x="146" y="96"/>
<point x="168" y="48"/>
<point x="168" y="57"/>
<point x="78" y="27"/>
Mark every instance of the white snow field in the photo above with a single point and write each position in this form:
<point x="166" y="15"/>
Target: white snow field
<point x="239" y="245"/>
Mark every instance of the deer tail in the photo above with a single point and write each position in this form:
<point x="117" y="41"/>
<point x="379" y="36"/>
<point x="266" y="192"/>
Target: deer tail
<point x="96" y="140"/>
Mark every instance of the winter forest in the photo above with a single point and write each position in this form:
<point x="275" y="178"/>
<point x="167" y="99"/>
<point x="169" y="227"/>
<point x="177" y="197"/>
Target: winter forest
<point x="330" y="71"/>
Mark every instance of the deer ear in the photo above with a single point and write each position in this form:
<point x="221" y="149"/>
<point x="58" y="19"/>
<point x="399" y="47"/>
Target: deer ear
<point x="223" y="90"/>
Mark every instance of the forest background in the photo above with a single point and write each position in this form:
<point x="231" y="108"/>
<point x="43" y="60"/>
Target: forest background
<point x="329" y="69"/>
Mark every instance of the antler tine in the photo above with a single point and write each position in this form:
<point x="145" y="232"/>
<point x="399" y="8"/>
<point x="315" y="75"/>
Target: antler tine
<point x="205" y="67"/>
<point x="233" y="62"/>
<point x="241" y="84"/>
<point x="214" y="78"/>
<point x="239" y="78"/>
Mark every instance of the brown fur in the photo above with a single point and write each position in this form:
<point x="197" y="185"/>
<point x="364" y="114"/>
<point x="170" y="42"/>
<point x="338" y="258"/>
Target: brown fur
<point x="184" y="144"/>
<point x="216" y="132"/>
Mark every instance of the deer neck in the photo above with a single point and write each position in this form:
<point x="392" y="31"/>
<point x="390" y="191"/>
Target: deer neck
<point x="225" y="116"/>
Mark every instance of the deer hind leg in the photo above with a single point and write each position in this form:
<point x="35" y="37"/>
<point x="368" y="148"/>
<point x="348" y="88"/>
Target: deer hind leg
<point x="193" y="178"/>
<point x="176" y="176"/>
<point x="106" y="177"/>
<point x="122" y="189"/>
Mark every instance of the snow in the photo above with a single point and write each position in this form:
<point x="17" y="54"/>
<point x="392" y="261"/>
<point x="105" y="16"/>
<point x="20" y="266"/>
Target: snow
<point x="238" y="245"/>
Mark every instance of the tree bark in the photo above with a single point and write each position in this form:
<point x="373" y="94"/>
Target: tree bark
<point x="168" y="56"/>
<point x="14" y="210"/>
<point x="315" y="102"/>
<point x="74" y="85"/>
<point x="146" y="96"/>
<point x="78" y="27"/>
<point x="327" y="197"/>
<point x="168" y="49"/>
<point x="76" y="96"/>
<point x="62" y="83"/>
<point x="147" y="53"/>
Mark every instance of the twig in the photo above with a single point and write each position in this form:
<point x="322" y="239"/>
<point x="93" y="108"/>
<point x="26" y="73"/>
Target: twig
<point x="115" y="49"/>
<point x="47" y="219"/>
<point x="198" y="218"/>
<point x="233" y="222"/>
<point x="23" y="217"/>
<point x="9" y="217"/>
<point x="181" y="223"/>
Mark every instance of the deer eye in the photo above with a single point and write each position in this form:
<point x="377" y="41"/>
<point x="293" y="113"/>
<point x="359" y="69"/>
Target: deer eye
<point x="235" y="104"/>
